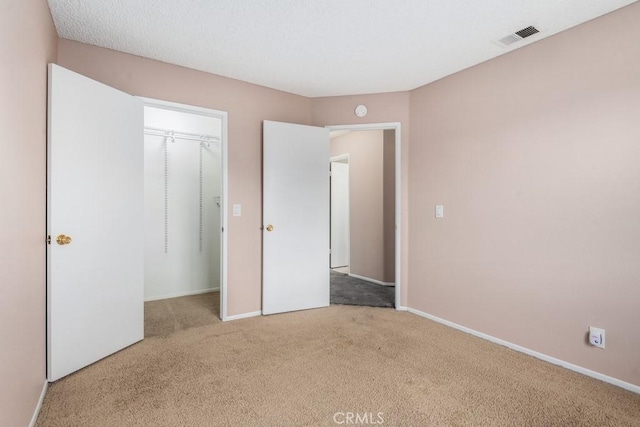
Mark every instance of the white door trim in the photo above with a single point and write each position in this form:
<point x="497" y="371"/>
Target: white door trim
<point x="222" y="115"/>
<point x="340" y="158"/>
<point x="398" y="151"/>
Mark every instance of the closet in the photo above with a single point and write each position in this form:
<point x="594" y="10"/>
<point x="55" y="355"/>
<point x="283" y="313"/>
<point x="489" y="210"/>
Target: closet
<point x="182" y="175"/>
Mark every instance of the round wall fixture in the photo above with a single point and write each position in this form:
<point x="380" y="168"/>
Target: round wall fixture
<point x="361" y="110"/>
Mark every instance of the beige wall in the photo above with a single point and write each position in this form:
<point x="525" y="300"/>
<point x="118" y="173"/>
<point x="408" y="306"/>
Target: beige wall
<point x="535" y="157"/>
<point x="248" y="105"/>
<point x="366" y="197"/>
<point x="27" y="43"/>
<point x="385" y="107"/>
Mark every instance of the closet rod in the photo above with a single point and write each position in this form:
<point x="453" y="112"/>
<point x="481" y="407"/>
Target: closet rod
<point x="181" y="135"/>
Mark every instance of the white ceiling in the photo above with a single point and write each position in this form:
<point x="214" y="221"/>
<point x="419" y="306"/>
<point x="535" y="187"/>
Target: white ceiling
<point x="322" y="47"/>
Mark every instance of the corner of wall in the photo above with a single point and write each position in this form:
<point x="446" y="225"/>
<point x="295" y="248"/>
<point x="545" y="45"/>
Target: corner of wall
<point x="28" y="41"/>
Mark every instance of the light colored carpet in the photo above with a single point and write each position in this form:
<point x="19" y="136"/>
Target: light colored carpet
<point x="303" y="368"/>
<point x="166" y="316"/>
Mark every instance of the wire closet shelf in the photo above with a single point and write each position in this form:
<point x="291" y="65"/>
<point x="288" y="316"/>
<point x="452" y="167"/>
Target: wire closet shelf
<point x="174" y="134"/>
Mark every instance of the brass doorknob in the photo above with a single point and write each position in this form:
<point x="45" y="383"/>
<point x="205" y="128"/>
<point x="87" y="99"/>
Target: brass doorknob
<point x="269" y="227"/>
<point x="63" y="240"/>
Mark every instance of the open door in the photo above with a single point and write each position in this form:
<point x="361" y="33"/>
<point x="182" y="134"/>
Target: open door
<point x="95" y="200"/>
<point x="296" y="217"/>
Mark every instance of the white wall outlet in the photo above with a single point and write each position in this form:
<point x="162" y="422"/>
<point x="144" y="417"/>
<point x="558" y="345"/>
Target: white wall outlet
<point x="596" y="337"/>
<point x="237" y="210"/>
<point x="439" y="211"/>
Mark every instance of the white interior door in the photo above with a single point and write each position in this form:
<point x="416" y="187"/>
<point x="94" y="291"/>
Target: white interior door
<point x="339" y="214"/>
<point x="95" y="197"/>
<point x="296" y="217"/>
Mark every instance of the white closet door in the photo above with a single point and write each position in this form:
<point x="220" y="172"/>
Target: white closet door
<point x="339" y="214"/>
<point x="296" y="217"/>
<point x="95" y="197"/>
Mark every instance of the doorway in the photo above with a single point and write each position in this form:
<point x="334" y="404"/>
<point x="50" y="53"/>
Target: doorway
<point x="289" y="209"/>
<point x="185" y="171"/>
<point x="364" y="162"/>
<point x="375" y="236"/>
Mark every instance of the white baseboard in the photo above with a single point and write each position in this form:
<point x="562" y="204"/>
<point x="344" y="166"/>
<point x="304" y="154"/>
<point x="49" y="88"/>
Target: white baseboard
<point x="244" y="315"/>
<point x="368" y="279"/>
<point x="182" y="294"/>
<point x="36" y="412"/>
<point x="402" y="308"/>
<point x="588" y="372"/>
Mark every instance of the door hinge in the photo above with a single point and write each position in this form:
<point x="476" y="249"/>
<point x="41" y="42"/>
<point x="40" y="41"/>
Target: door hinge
<point x="48" y="239"/>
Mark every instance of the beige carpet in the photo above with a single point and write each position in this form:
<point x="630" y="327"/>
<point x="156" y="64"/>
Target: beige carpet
<point x="166" y="316"/>
<point x="312" y="368"/>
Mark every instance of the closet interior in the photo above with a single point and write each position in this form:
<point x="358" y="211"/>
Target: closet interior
<point x="182" y="173"/>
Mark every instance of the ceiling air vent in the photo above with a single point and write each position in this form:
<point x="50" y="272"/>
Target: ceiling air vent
<point x="517" y="36"/>
<point x="526" y="32"/>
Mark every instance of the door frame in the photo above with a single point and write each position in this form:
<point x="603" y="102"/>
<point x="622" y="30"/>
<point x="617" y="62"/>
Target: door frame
<point x="398" y="186"/>
<point x="343" y="158"/>
<point x="222" y="115"/>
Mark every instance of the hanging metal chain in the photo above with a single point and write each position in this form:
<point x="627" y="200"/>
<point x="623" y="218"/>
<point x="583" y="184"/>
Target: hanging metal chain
<point x="166" y="195"/>
<point x="200" y="230"/>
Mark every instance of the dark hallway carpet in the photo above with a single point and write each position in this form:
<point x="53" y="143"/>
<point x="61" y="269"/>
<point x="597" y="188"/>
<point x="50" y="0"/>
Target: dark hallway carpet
<point x="348" y="290"/>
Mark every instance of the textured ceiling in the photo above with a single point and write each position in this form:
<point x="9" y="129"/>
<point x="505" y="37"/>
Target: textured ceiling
<point x="322" y="47"/>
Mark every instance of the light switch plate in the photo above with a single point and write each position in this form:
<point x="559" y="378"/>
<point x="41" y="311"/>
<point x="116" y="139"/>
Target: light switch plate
<point x="237" y="210"/>
<point x="439" y="211"/>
